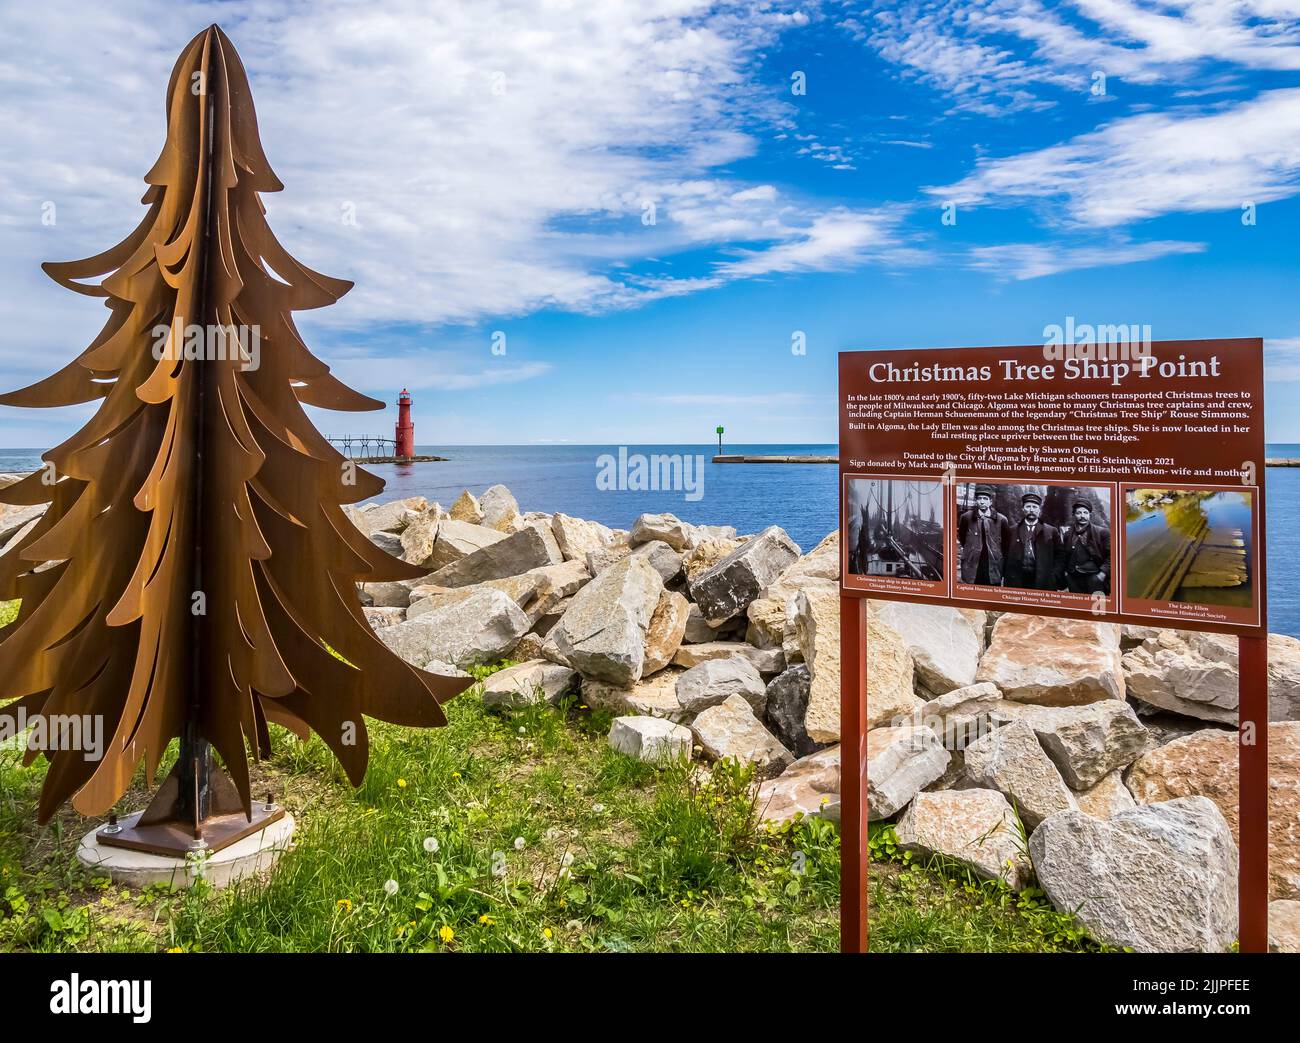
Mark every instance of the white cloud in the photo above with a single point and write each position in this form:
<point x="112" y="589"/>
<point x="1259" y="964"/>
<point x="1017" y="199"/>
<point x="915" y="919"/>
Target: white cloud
<point x="498" y="155"/>
<point x="992" y="56"/>
<point x="995" y="56"/>
<point x="837" y="239"/>
<point x="1282" y="359"/>
<point x="1151" y="164"/>
<point x="431" y="370"/>
<point x="834" y="239"/>
<point x="1034" y="260"/>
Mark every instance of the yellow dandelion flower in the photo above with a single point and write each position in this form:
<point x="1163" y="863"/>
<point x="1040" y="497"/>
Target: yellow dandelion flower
<point x="345" y="904"/>
<point x="547" y="933"/>
<point x="175" y="948"/>
<point x="486" y="920"/>
<point x="446" y="934"/>
<point x="401" y="784"/>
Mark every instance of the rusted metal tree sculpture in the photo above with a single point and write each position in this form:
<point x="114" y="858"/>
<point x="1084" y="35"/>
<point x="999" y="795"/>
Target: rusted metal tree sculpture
<point x="203" y="574"/>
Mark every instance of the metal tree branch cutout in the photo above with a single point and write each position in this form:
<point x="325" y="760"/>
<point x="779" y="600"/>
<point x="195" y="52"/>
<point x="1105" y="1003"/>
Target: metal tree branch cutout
<point x="201" y="576"/>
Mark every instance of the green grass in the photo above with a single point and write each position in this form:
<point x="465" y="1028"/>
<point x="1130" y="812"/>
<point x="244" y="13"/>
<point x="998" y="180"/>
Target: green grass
<point x="614" y="856"/>
<point x="940" y="906"/>
<point x="543" y="838"/>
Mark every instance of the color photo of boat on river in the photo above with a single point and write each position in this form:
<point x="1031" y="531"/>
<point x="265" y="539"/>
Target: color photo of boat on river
<point x="1189" y="545"/>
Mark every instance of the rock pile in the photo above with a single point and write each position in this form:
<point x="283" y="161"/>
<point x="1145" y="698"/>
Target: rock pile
<point x="656" y="621"/>
<point x="1099" y="761"/>
<point x="1094" y="759"/>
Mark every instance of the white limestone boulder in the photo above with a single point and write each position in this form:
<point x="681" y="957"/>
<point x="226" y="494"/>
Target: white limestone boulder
<point x="654" y="696"/>
<point x="1011" y="761"/>
<point x="974" y="827"/>
<point x="809" y="787"/>
<point x="650" y="739"/>
<point x="946" y="643"/>
<point x="466" y="509"/>
<point x="767" y="661"/>
<point x="716" y="680"/>
<point x="527" y="684"/>
<point x="603" y="634"/>
<point x="1053" y="662"/>
<point x="500" y="508"/>
<point x="1158" y="878"/>
<point x="901" y="762"/>
<point x="1087" y="742"/>
<point x="478" y="630"/>
<point x="667" y="628"/>
<point x="730" y="729"/>
<point x="515" y="554"/>
<point x="578" y="537"/>
<point x="454" y="540"/>
<point x="726" y="590"/>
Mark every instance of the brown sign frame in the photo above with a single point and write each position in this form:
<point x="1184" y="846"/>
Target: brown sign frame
<point x="1238" y="448"/>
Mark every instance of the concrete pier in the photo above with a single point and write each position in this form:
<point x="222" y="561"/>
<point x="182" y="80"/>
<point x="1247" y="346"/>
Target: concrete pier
<point x="733" y="459"/>
<point x="394" y="459"/>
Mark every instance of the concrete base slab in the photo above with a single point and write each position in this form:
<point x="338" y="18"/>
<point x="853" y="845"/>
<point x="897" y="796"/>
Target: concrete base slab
<point x="251" y="855"/>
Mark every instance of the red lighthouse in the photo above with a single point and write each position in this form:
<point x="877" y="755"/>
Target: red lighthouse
<point x="405" y="434"/>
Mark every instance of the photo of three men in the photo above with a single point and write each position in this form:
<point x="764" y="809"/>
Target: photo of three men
<point x="1034" y="537"/>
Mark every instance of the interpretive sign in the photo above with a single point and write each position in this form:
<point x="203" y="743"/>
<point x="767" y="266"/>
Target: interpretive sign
<point x="1000" y="478"/>
<point x="1118" y="482"/>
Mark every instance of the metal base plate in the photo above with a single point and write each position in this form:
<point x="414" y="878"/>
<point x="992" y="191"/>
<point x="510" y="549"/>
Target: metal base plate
<point x="169" y="826"/>
<point x="177" y="838"/>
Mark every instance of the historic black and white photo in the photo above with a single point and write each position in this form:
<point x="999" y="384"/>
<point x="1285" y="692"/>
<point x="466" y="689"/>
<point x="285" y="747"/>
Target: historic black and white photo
<point x="1034" y="537"/>
<point x="895" y="527"/>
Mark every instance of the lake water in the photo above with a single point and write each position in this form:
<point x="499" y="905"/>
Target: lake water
<point x="801" y="498"/>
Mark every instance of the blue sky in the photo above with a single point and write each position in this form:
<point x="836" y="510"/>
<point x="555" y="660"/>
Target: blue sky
<point x="488" y="167"/>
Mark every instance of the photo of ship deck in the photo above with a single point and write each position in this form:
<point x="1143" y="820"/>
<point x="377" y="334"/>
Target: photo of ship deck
<point x="895" y="528"/>
<point x="1189" y="545"/>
